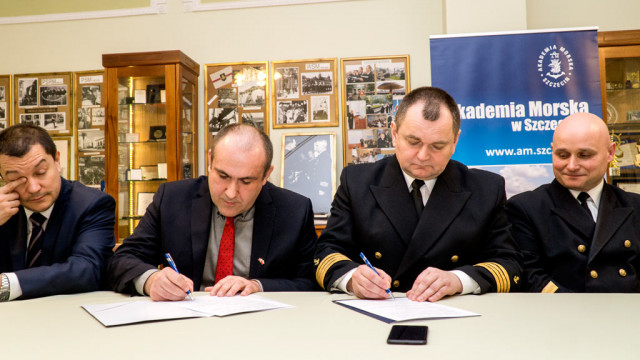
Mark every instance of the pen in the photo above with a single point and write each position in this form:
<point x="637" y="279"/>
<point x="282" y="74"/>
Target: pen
<point x="366" y="261"/>
<point x="173" y="266"/>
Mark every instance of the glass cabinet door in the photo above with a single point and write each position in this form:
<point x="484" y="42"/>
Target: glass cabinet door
<point x="142" y="146"/>
<point x="188" y="130"/>
<point x="622" y="89"/>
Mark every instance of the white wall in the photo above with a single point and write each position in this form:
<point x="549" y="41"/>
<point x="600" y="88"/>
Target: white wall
<point x="338" y="29"/>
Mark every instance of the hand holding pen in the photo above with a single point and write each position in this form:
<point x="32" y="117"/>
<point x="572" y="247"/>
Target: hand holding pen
<point x="370" y="283"/>
<point x="173" y="266"/>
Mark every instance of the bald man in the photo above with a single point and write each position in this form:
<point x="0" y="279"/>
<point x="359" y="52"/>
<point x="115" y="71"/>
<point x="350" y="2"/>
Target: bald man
<point x="578" y="233"/>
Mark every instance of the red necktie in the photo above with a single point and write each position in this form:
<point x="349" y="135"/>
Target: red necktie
<point x="224" y="267"/>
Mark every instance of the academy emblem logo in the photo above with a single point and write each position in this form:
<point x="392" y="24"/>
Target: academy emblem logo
<point x="555" y="66"/>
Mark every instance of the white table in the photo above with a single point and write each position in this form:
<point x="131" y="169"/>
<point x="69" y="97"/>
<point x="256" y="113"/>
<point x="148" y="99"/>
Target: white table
<point x="512" y="326"/>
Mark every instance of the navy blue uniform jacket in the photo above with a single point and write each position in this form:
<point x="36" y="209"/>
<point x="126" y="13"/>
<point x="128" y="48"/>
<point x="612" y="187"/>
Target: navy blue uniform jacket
<point x="559" y="255"/>
<point x="463" y="227"/>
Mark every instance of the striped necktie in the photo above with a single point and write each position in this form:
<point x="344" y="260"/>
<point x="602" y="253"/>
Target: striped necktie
<point x="35" y="243"/>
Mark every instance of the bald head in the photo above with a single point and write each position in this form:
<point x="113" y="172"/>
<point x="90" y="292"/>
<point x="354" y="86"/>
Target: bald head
<point x="582" y="151"/>
<point x="244" y="138"/>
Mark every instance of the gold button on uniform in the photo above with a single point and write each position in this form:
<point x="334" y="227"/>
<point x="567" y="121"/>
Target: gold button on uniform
<point x="622" y="272"/>
<point x="627" y="243"/>
<point x="582" y="248"/>
<point x="378" y="255"/>
<point x="594" y="274"/>
<point x="396" y="283"/>
<point x="454" y="258"/>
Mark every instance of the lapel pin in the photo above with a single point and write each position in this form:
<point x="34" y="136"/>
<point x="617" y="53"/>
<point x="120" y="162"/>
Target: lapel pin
<point x="261" y="261"/>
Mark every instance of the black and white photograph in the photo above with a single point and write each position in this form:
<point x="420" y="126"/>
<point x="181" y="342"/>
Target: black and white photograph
<point x="53" y="95"/>
<point x="309" y="168"/>
<point x="390" y="71"/>
<point x="63" y="146"/>
<point x="228" y="98"/>
<point x="91" y="169"/>
<point x="28" y="92"/>
<point x="255" y="119"/>
<point x="359" y="91"/>
<point x="3" y="110"/>
<point x="287" y="83"/>
<point x="33" y="119"/>
<point x="315" y="83"/>
<point x="221" y="117"/>
<point x="91" y="140"/>
<point x="292" y="112"/>
<point x="359" y="74"/>
<point x="91" y="95"/>
<point x="395" y="87"/>
<point x="251" y="95"/>
<point x="2" y="93"/>
<point x="84" y="118"/>
<point x="379" y="104"/>
<point x="97" y="116"/>
<point x="54" y="121"/>
<point x="320" y="108"/>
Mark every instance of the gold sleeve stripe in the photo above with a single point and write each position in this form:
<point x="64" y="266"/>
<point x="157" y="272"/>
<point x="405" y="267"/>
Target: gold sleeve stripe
<point x="500" y="274"/>
<point x="326" y="264"/>
<point x="550" y="288"/>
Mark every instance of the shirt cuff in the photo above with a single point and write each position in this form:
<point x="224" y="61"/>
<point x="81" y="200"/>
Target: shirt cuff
<point x="15" y="291"/>
<point x="469" y="286"/>
<point x="341" y="283"/>
<point x="142" y="279"/>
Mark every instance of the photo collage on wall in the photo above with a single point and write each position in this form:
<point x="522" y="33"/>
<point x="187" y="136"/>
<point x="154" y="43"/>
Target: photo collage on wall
<point x="372" y="90"/>
<point x="5" y="101"/>
<point x="304" y="93"/>
<point x="235" y="93"/>
<point x="90" y="125"/>
<point x="45" y="100"/>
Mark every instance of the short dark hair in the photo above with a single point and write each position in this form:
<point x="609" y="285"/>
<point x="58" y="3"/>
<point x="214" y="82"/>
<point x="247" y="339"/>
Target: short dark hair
<point x="18" y="139"/>
<point x="246" y="129"/>
<point x="432" y="99"/>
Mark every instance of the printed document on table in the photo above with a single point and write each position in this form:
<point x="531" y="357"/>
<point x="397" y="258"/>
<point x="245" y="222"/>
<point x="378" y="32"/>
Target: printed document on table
<point x="403" y="309"/>
<point x="131" y="312"/>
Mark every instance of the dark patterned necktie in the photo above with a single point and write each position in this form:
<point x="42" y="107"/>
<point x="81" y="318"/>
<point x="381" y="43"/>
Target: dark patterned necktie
<point x="417" y="195"/>
<point x="35" y="243"/>
<point x="224" y="266"/>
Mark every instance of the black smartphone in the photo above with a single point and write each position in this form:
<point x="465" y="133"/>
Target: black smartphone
<point x="408" y="334"/>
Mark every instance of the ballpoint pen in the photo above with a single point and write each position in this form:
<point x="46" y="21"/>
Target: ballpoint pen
<point x="173" y="266"/>
<point x="366" y="261"/>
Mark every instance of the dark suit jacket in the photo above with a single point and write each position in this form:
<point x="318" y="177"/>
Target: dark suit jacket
<point x="178" y="221"/>
<point x="463" y="226"/>
<point x="548" y="223"/>
<point x="77" y="242"/>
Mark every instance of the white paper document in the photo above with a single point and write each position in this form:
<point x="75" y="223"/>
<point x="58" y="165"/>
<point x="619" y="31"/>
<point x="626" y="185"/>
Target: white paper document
<point x="403" y="309"/>
<point x="130" y="312"/>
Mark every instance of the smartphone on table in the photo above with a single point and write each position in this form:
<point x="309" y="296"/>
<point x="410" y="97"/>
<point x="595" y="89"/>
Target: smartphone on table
<point x="408" y="334"/>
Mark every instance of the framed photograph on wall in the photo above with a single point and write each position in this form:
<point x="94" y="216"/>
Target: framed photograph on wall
<point x="309" y="167"/>
<point x="236" y="92"/>
<point x="304" y="93"/>
<point x="5" y="101"/>
<point x="372" y="89"/>
<point x="45" y="99"/>
<point x="89" y="118"/>
<point x="63" y="145"/>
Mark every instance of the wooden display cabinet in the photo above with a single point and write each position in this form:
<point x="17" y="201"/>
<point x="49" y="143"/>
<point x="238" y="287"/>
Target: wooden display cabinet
<point x="619" y="53"/>
<point x="151" y="125"/>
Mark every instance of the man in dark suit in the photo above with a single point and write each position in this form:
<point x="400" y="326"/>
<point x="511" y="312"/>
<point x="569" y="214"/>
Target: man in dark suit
<point x="578" y="233"/>
<point x="459" y="242"/>
<point x="55" y="235"/>
<point x="272" y="245"/>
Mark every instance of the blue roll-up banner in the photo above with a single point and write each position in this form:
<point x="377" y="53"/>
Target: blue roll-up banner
<point x="512" y="90"/>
